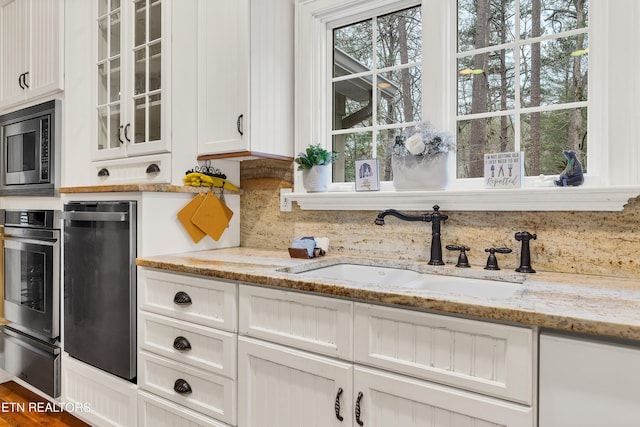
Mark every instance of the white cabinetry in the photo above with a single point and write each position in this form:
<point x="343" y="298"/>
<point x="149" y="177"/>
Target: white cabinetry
<point x="275" y="378"/>
<point x="134" y="79"/>
<point x="284" y="387"/>
<point x="245" y="77"/>
<point x="111" y="401"/>
<point x="30" y="44"/>
<point x="586" y="383"/>
<point x="188" y="349"/>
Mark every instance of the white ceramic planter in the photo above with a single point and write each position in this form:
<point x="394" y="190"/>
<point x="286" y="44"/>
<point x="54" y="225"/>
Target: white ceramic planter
<point x="420" y="173"/>
<point x="317" y="179"/>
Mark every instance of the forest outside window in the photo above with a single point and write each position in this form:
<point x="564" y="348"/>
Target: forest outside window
<point x="522" y="82"/>
<point x="377" y="87"/>
<point x="521" y="71"/>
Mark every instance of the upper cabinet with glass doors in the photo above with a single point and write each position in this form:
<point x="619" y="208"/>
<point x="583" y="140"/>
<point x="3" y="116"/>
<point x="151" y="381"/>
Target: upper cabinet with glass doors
<point x="132" y="119"/>
<point x="31" y="63"/>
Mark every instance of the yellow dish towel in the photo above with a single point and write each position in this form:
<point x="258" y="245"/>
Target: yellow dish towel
<point x="186" y="213"/>
<point x="212" y="216"/>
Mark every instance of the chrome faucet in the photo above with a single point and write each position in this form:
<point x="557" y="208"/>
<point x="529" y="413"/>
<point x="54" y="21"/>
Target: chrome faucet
<point x="434" y="218"/>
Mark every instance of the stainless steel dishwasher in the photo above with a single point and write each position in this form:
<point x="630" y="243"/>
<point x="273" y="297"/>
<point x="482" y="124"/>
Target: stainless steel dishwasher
<point x="99" y="252"/>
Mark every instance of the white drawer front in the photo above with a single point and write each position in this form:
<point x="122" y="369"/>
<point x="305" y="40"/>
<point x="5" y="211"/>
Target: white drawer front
<point x="213" y="302"/>
<point x="156" y="412"/>
<point x="212" y="395"/>
<point x="480" y="356"/>
<point x="308" y="322"/>
<point x="206" y="348"/>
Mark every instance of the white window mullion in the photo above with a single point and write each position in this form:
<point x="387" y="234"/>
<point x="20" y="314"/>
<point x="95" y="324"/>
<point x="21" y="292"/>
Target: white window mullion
<point x="517" y="135"/>
<point x="374" y="87"/>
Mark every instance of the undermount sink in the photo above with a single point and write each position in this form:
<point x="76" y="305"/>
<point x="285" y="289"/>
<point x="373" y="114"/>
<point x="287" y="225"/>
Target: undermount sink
<point x="409" y="279"/>
<point x="364" y="273"/>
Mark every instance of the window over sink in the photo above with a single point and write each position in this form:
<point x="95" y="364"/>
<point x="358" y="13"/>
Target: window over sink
<point x="332" y="75"/>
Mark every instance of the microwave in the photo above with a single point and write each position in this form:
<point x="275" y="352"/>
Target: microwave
<point x="28" y="142"/>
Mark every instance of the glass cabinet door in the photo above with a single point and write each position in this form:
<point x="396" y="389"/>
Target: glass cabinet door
<point x="129" y="65"/>
<point x="147" y="60"/>
<point x="109" y="66"/>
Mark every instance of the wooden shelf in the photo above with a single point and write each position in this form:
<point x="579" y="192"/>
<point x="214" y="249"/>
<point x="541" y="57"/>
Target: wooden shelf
<point x="244" y="155"/>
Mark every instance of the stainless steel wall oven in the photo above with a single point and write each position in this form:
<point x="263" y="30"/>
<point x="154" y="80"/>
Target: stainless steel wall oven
<point x="32" y="297"/>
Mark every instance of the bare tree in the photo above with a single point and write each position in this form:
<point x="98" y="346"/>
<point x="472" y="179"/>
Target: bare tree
<point x="534" y="149"/>
<point x="477" y="137"/>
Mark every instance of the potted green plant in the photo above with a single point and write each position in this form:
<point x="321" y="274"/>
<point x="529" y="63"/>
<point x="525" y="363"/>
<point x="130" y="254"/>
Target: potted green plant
<point x="315" y="163"/>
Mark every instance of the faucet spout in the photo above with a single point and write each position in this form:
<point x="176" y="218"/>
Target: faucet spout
<point x="435" y="218"/>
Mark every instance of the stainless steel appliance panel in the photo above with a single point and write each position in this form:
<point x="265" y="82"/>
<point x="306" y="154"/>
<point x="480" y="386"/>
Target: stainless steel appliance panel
<point x="29" y="158"/>
<point x="31" y="280"/>
<point x="100" y="285"/>
<point x="31" y="253"/>
<point x="33" y="361"/>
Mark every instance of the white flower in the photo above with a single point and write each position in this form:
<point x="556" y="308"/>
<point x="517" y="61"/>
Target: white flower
<point x="414" y="144"/>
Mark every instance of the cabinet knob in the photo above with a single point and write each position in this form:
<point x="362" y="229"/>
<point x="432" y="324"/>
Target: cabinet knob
<point x="182" y="298"/>
<point x="182" y="386"/>
<point x="181" y="343"/>
<point x="103" y="172"/>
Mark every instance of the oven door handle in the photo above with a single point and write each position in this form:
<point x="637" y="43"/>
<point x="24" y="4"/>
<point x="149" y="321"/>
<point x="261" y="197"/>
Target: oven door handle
<point x="96" y="216"/>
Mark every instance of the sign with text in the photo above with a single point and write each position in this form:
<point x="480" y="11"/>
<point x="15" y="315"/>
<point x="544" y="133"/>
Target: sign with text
<point x="504" y="170"/>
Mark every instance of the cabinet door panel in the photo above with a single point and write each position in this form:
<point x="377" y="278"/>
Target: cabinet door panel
<point x="587" y="383"/>
<point x="45" y="63"/>
<point x="223" y="71"/>
<point x="14" y="26"/>
<point x="485" y="357"/>
<point x="394" y="400"/>
<point x="282" y="387"/>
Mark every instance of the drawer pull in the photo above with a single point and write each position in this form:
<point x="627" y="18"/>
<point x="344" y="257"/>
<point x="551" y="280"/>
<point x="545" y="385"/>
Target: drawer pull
<point x="182" y="298"/>
<point x="181" y="343"/>
<point x="337" y="406"/>
<point x="181" y="386"/>
<point x="358" y="420"/>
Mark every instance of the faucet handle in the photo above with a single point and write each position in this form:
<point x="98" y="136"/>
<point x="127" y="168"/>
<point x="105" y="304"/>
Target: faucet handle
<point x="492" y="261"/>
<point x="463" y="261"/>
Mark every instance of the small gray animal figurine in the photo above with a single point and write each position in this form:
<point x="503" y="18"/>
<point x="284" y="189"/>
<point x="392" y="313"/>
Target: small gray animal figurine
<point x="572" y="175"/>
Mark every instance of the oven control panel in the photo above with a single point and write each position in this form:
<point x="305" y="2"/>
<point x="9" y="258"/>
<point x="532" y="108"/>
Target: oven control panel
<point x="32" y="218"/>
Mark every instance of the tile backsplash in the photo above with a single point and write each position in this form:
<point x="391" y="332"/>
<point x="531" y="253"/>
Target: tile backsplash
<point x="601" y="243"/>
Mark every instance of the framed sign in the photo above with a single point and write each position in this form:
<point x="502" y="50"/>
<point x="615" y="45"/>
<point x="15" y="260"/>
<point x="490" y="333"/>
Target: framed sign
<point x="367" y="175"/>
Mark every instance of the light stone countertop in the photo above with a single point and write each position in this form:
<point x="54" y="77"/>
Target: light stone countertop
<point x="599" y="305"/>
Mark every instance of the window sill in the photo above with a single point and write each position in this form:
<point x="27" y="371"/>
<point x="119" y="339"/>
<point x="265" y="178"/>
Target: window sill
<point x="527" y="199"/>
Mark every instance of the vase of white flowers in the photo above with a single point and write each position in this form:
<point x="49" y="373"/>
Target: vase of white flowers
<point x="420" y="161"/>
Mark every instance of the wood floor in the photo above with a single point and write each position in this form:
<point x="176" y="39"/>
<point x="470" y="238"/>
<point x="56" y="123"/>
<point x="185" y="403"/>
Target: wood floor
<point x="21" y="407"/>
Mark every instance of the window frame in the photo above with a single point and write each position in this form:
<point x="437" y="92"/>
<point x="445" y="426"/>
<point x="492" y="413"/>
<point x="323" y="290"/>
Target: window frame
<point x="614" y="123"/>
